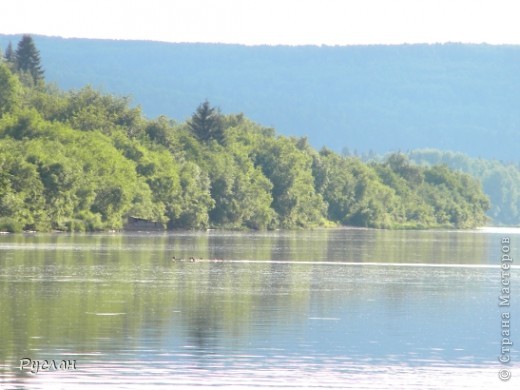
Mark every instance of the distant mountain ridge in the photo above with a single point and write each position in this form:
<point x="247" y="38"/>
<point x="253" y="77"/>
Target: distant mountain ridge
<point x="381" y="98"/>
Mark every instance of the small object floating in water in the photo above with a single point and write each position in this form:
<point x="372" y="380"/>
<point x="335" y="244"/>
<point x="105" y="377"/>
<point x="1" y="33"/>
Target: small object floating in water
<point x="192" y="259"/>
<point x="104" y="314"/>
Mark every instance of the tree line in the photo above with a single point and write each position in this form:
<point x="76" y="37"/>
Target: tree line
<point x="82" y="160"/>
<point x="500" y="180"/>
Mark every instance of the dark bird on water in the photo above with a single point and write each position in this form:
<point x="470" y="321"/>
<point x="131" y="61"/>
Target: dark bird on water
<point x="191" y="259"/>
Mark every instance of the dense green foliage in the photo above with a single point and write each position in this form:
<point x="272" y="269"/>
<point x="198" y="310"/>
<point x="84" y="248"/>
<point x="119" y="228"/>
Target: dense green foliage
<point x="83" y="160"/>
<point x="500" y="180"/>
<point x="396" y="193"/>
<point x="385" y="98"/>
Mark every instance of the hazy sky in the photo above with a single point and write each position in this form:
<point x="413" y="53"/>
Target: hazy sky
<point x="331" y="22"/>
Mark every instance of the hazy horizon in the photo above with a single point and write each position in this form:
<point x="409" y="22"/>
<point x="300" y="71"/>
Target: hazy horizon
<point x="270" y="22"/>
<point x="252" y="45"/>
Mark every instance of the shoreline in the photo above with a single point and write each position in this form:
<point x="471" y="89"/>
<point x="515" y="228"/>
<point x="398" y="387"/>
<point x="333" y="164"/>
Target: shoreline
<point x="481" y="229"/>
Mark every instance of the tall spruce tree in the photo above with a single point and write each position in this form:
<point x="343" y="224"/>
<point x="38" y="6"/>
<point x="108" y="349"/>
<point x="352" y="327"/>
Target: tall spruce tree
<point x="9" y="53"/>
<point x="206" y="123"/>
<point x="9" y="58"/>
<point x="28" y="58"/>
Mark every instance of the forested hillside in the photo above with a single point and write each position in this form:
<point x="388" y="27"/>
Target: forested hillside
<point x="380" y="98"/>
<point x="86" y="160"/>
<point x="500" y="180"/>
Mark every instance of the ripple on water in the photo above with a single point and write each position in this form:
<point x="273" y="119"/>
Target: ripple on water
<point x="300" y="374"/>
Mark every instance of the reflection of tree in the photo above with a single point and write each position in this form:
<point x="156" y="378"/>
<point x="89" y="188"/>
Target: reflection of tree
<point x="53" y="285"/>
<point x="203" y="329"/>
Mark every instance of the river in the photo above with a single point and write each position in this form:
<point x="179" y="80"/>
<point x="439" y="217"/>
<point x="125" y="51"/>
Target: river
<point x="326" y="308"/>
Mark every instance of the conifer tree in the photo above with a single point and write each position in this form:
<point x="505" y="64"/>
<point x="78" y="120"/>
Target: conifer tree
<point x="206" y="123"/>
<point x="9" y="58"/>
<point x="28" y="58"/>
<point x="9" y="54"/>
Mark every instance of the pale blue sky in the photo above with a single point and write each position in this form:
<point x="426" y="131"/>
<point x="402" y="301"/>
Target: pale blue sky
<point x="331" y="22"/>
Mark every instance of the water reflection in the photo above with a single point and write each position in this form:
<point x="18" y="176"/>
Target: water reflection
<point x="284" y="309"/>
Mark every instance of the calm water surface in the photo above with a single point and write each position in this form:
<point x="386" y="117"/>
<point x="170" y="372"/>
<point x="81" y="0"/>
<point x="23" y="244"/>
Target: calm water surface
<point x="339" y="308"/>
